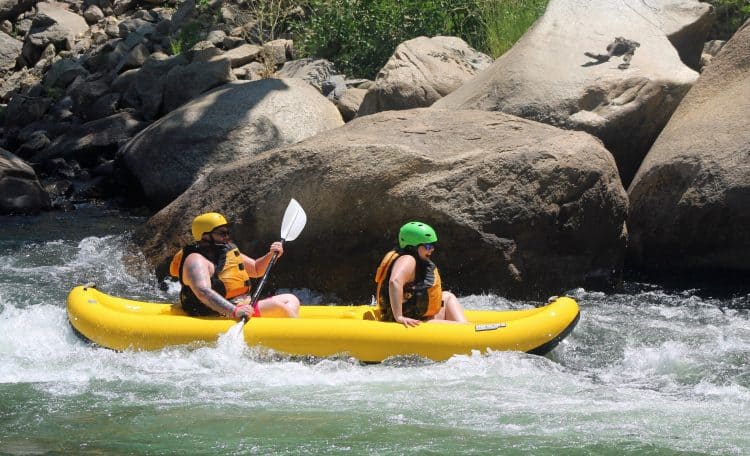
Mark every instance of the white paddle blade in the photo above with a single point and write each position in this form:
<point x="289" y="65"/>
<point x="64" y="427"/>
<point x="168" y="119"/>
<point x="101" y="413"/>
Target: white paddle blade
<point x="294" y="221"/>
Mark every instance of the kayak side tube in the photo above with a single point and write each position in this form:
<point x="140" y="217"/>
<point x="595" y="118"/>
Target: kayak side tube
<point x="123" y="324"/>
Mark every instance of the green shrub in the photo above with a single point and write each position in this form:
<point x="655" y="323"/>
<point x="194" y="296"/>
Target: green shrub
<point x="730" y="14"/>
<point x="272" y="17"/>
<point x="360" y="35"/>
<point x="189" y="35"/>
<point x="505" y="21"/>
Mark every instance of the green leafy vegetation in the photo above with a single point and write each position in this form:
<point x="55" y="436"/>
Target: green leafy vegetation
<point x="55" y="93"/>
<point x="272" y="17"/>
<point x="506" y="21"/>
<point x="189" y="35"/>
<point x="360" y="35"/>
<point x="730" y="14"/>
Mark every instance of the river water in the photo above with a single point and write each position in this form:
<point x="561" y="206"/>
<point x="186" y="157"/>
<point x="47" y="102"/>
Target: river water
<point x="645" y="372"/>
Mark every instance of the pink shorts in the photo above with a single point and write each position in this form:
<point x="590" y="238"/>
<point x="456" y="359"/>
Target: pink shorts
<point x="256" y="310"/>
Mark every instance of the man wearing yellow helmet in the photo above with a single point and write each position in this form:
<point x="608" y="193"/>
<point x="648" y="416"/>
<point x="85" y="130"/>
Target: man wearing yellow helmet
<point x="409" y="290"/>
<point x="215" y="276"/>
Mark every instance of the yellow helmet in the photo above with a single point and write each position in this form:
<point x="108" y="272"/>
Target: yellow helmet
<point x="206" y="223"/>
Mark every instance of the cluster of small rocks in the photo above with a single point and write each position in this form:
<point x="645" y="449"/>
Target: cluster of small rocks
<point x="80" y="78"/>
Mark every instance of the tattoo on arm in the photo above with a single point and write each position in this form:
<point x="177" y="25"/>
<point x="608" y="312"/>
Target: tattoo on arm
<point x="215" y="301"/>
<point x="200" y="283"/>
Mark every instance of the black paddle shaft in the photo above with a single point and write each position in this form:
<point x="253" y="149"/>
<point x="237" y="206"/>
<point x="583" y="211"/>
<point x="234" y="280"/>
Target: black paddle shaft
<point x="262" y="283"/>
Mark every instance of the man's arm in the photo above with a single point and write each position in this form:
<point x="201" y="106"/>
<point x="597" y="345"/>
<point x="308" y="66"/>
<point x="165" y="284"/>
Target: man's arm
<point x="256" y="268"/>
<point x="197" y="276"/>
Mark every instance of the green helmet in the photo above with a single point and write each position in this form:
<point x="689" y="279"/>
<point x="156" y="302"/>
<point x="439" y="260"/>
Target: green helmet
<point x="415" y="233"/>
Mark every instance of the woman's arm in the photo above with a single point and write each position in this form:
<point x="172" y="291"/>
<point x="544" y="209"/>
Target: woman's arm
<point x="403" y="272"/>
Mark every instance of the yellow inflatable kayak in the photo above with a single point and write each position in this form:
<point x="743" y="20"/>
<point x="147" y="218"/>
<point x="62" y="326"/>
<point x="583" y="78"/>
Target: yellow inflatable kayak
<point x="123" y="324"/>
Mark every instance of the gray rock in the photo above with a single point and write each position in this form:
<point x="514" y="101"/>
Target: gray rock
<point x="134" y="25"/>
<point x="63" y="72"/>
<point x="232" y="122"/>
<point x="203" y="51"/>
<point x="87" y="143"/>
<point x="20" y="190"/>
<point x="182" y="16"/>
<point x="10" y="50"/>
<point x="216" y="37"/>
<point x="86" y="91"/>
<point x="120" y="7"/>
<point x="278" y="51"/>
<point x="52" y="24"/>
<point x="24" y="109"/>
<point x="242" y="55"/>
<point x="36" y="142"/>
<point x="184" y="83"/>
<point x="314" y="71"/>
<point x="547" y="77"/>
<point x="93" y="14"/>
<point x="10" y="9"/>
<point x="149" y="84"/>
<point x="253" y="71"/>
<point x="232" y="42"/>
<point x="521" y="208"/>
<point x="349" y="102"/>
<point x="421" y="71"/>
<point x="690" y="201"/>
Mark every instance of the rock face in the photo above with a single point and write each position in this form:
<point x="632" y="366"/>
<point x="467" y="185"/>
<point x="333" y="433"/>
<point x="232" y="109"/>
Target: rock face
<point x="92" y="141"/>
<point x="11" y="8"/>
<point x="547" y="77"/>
<point x="690" y="201"/>
<point x="232" y="122"/>
<point x="53" y="24"/>
<point x="10" y="49"/>
<point x="421" y="71"/>
<point x="20" y="191"/>
<point x="521" y="208"/>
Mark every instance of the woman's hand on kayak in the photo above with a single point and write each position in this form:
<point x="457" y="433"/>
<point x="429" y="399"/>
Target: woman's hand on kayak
<point x="406" y="321"/>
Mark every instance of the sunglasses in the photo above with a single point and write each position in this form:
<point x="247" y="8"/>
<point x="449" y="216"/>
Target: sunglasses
<point x="428" y="247"/>
<point x="222" y="232"/>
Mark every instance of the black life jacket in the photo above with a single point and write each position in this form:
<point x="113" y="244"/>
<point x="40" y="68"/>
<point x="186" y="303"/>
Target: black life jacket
<point x="423" y="298"/>
<point x="230" y="279"/>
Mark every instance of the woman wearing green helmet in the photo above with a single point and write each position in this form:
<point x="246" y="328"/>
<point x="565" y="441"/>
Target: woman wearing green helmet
<point x="409" y="288"/>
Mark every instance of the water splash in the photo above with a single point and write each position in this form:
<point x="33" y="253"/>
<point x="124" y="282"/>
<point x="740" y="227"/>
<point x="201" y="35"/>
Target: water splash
<point x="647" y="371"/>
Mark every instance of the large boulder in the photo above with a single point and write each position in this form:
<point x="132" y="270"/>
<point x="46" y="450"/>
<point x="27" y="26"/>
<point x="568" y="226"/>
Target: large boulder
<point x="89" y="143"/>
<point x="147" y="87"/>
<point x="231" y="122"/>
<point x="52" y="24"/>
<point x="184" y="83"/>
<point x="421" y="71"/>
<point x="521" y="208"/>
<point x="20" y="190"/>
<point x="63" y="72"/>
<point x="690" y="201"/>
<point x="547" y="77"/>
<point x="314" y="71"/>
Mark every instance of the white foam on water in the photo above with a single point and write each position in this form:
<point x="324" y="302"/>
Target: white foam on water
<point x="649" y="367"/>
